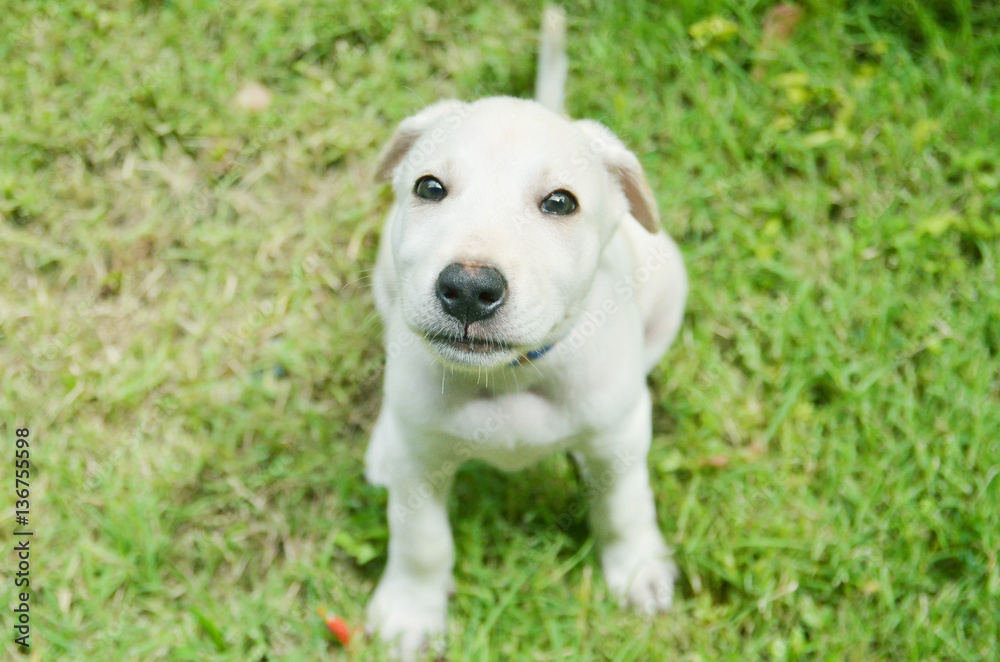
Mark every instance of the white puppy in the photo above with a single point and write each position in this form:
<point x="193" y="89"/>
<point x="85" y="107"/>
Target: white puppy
<point x="526" y="290"/>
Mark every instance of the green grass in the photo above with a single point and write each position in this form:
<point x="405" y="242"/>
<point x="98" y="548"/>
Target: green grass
<point x="187" y="329"/>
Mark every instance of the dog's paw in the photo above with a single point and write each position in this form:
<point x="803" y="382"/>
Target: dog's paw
<point x="408" y="618"/>
<point x="640" y="578"/>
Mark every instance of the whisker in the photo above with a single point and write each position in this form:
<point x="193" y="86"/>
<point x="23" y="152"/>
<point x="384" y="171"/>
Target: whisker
<point x="364" y="275"/>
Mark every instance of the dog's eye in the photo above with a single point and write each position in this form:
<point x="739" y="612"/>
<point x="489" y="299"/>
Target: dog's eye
<point x="559" y="202"/>
<point x="429" y="188"/>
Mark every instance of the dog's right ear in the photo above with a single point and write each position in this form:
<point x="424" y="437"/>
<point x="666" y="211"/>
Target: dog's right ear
<point x="624" y="167"/>
<point x="409" y="132"/>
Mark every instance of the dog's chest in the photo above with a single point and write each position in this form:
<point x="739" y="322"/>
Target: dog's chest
<point x="511" y="431"/>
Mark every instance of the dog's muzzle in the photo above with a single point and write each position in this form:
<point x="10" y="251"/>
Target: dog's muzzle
<point x="471" y="294"/>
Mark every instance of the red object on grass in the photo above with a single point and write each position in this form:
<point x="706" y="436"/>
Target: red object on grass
<point x="337" y="626"/>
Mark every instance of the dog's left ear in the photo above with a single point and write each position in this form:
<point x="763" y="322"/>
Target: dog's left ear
<point x="626" y="169"/>
<point x="409" y="132"/>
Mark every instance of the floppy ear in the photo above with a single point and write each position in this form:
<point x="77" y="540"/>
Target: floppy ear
<point x="626" y="169"/>
<point x="407" y="135"/>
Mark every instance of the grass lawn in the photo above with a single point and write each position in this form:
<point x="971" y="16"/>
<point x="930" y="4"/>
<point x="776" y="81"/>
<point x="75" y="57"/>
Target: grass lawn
<point x="187" y="330"/>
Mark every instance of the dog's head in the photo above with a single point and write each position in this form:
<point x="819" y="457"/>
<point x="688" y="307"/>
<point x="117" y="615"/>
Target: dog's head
<point x="502" y="211"/>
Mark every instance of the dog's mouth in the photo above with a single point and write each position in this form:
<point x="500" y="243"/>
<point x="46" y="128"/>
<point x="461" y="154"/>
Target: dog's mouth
<point x="469" y="345"/>
<point x="466" y="351"/>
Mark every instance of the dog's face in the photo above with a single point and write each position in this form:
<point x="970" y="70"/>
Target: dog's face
<point x="502" y="211"/>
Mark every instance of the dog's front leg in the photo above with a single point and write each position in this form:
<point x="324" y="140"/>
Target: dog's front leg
<point x="409" y="606"/>
<point x="636" y="561"/>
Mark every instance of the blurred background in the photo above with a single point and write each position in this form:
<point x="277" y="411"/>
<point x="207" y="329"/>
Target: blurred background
<point x="187" y="228"/>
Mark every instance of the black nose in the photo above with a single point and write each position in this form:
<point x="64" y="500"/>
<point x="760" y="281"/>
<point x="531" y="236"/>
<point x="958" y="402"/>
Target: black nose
<point x="470" y="294"/>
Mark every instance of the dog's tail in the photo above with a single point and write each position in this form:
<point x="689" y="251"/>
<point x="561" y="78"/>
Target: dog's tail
<point x="550" y="85"/>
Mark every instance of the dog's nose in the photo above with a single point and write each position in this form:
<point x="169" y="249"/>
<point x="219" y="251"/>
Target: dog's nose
<point x="470" y="294"/>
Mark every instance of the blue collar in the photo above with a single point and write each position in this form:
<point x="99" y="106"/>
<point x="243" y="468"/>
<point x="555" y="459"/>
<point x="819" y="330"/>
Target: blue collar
<point x="532" y="355"/>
